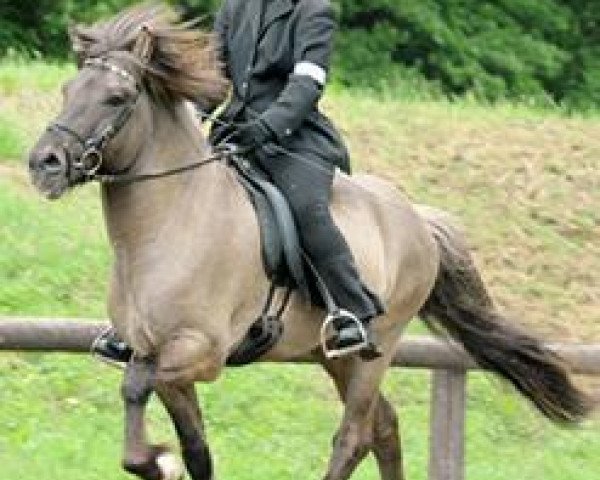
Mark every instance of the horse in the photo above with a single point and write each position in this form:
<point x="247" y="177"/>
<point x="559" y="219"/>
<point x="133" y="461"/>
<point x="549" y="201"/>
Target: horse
<point x="188" y="280"/>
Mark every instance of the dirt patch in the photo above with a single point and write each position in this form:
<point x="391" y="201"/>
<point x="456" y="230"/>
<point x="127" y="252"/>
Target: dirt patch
<point x="526" y="187"/>
<point x="12" y="172"/>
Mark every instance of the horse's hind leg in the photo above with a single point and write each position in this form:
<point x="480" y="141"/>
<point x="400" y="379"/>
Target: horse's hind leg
<point x="181" y="403"/>
<point x="386" y="441"/>
<point x="358" y="385"/>
<point x="140" y="458"/>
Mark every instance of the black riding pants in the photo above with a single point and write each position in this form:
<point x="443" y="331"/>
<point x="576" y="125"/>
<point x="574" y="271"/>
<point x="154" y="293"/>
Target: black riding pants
<point x="306" y="183"/>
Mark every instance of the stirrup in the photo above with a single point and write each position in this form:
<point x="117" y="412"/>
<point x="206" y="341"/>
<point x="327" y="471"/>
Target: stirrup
<point x="328" y="322"/>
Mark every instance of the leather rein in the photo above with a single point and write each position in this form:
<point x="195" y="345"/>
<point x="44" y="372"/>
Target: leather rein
<point x="91" y="159"/>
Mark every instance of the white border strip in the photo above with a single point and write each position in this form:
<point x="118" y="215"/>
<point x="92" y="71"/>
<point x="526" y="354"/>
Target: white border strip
<point x="311" y="70"/>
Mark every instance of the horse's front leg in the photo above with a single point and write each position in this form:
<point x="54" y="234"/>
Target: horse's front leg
<point x="144" y="460"/>
<point x="182" y="404"/>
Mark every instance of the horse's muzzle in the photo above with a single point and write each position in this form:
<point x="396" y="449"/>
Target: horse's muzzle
<point x="48" y="168"/>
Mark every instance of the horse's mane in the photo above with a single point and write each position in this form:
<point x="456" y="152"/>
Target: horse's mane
<point x="182" y="62"/>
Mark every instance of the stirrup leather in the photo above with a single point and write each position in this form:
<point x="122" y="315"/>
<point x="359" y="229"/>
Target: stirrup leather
<point x="328" y="324"/>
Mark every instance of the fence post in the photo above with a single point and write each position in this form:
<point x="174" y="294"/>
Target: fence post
<point x="447" y="425"/>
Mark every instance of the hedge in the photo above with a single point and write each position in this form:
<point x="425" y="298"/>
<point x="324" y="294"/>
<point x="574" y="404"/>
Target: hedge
<point x="542" y="51"/>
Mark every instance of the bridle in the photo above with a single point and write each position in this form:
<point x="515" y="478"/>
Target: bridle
<point x="86" y="166"/>
<point x="91" y="157"/>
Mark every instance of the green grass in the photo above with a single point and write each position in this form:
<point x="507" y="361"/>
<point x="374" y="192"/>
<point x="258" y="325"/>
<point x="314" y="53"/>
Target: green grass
<point x="13" y="141"/>
<point x="61" y="418"/>
<point x="17" y="77"/>
<point x="525" y="183"/>
<point x="29" y="93"/>
<point x="47" y="267"/>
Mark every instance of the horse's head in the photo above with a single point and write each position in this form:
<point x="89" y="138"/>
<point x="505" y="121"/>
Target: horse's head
<point x="127" y="65"/>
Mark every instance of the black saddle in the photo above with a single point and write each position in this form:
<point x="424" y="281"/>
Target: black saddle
<point x="285" y="263"/>
<point x="282" y="255"/>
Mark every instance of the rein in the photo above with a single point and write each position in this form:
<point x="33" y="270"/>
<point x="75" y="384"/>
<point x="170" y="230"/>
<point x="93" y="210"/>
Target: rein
<point x="124" y="178"/>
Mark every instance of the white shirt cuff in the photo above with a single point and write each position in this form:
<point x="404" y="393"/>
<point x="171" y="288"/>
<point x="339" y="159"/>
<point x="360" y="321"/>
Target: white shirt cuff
<point x="311" y="70"/>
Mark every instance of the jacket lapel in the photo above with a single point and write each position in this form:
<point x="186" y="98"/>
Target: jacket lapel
<point x="275" y="9"/>
<point x="255" y="14"/>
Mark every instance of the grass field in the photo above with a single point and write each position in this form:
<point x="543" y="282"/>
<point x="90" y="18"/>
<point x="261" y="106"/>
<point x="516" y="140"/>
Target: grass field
<point x="526" y="185"/>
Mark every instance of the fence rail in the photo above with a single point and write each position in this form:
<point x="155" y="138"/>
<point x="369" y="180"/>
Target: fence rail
<point x="449" y="363"/>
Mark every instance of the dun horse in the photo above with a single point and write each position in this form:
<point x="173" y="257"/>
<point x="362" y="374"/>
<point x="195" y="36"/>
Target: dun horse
<point x="181" y="297"/>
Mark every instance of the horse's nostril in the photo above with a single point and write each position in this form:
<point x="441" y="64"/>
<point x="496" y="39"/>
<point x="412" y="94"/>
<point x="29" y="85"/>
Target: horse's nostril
<point x="51" y="163"/>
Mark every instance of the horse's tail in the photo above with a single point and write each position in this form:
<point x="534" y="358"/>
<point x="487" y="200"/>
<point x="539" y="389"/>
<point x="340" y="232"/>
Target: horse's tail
<point x="460" y="308"/>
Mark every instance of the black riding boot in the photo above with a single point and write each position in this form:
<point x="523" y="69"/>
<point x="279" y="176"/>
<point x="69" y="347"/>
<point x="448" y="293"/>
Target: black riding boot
<point x="353" y="325"/>
<point x="350" y="338"/>
<point x="109" y="348"/>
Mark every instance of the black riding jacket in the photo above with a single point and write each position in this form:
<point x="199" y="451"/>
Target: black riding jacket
<point x="277" y="55"/>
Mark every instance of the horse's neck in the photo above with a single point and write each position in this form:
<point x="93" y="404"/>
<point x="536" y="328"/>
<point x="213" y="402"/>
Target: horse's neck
<point x="137" y="213"/>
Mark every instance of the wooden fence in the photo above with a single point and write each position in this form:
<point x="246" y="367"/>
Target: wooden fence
<point x="449" y="363"/>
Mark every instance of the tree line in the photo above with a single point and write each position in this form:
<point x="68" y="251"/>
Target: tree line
<point x="544" y="51"/>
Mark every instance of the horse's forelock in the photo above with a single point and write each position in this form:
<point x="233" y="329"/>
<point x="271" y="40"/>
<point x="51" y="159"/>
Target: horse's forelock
<point x="182" y="62"/>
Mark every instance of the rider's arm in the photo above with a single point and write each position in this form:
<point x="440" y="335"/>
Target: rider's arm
<point x="312" y="49"/>
<point x="221" y="24"/>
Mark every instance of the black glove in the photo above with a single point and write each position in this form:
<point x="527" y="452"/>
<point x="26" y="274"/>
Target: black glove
<point x="253" y="134"/>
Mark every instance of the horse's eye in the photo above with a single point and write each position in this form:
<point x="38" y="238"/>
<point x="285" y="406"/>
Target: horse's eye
<point x="115" y="100"/>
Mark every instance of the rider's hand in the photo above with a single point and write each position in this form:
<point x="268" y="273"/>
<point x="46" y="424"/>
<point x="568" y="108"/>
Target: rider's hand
<point x="253" y="134"/>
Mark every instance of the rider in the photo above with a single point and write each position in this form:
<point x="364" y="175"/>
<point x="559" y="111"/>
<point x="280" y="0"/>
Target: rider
<point x="276" y="54"/>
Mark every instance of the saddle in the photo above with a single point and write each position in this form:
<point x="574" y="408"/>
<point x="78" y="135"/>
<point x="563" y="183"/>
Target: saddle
<point x="285" y="264"/>
<point x="283" y="259"/>
<point x="280" y="242"/>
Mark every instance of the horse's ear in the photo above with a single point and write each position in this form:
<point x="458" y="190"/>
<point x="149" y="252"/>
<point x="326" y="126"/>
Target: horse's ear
<point x="144" y="44"/>
<point x="80" y="43"/>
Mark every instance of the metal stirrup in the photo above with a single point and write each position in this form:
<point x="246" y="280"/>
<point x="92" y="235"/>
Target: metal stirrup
<point x="328" y="322"/>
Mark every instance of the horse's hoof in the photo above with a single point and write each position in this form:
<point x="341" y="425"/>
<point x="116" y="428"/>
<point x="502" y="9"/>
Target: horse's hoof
<point x="170" y="466"/>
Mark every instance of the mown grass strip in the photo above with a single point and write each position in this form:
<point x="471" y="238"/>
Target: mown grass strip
<point x="525" y="183"/>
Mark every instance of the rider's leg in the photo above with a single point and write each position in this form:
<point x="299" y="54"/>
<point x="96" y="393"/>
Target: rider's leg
<point x="308" y="190"/>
